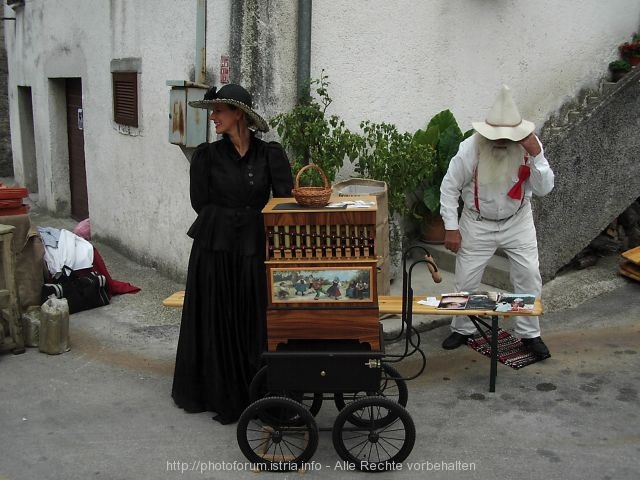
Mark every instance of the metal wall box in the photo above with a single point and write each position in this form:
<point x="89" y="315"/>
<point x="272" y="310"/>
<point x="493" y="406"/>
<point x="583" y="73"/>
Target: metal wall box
<point x="188" y="126"/>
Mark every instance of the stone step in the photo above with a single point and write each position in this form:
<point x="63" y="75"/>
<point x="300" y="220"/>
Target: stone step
<point x="608" y="87"/>
<point x="593" y="100"/>
<point x="574" y="116"/>
<point x="496" y="274"/>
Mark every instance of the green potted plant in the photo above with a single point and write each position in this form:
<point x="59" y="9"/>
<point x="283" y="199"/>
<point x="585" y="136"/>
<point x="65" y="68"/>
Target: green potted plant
<point x="381" y="153"/>
<point x="310" y="136"/>
<point x="395" y="158"/>
<point x="443" y="135"/>
<point x="618" y="69"/>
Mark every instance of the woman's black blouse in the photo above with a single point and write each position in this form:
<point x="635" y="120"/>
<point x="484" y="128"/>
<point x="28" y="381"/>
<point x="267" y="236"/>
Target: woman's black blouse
<point x="228" y="192"/>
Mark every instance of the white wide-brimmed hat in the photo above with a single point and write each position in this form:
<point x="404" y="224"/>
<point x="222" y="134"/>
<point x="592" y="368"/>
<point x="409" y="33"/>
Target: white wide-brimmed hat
<point x="236" y="95"/>
<point x="504" y="120"/>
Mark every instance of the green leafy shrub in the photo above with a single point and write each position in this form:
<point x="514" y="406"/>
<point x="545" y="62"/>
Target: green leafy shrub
<point x="395" y="158"/>
<point x="310" y="136"/>
<point x="443" y="135"/>
<point x="619" y="66"/>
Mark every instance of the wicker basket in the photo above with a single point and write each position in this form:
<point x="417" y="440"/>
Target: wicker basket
<point x="312" y="196"/>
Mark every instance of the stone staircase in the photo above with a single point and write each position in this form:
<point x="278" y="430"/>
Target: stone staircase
<point x="586" y="103"/>
<point x="592" y="144"/>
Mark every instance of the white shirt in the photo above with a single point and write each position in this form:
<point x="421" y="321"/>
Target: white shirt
<point x="71" y="251"/>
<point x="459" y="180"/>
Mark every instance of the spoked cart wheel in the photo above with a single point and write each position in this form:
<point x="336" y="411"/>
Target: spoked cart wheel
<point x="258" y="389"/>
<point x="384" y="437"/>
<point x="277" y="433"/>
<point x="392" y="386"/>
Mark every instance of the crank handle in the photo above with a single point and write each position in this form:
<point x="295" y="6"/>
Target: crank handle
<point x="433" y="268"/>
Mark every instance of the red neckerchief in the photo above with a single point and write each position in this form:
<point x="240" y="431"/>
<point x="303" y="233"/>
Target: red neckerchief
<point x="516" y="192"/>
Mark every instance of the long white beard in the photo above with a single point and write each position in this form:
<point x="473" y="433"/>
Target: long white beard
<point x="497" y="167"/>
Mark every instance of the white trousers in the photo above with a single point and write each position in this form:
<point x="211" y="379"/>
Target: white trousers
<point x="516" y="236"/>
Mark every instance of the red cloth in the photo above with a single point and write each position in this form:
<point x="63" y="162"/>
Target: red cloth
<point x="114" y="287"/>
<point x="516" y="191"/>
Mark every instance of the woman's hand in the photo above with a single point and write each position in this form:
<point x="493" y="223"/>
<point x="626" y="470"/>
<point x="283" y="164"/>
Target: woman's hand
<point x="452" y="240"/>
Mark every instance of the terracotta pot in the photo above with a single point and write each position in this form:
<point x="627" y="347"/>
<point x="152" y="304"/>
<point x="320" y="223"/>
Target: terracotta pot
<point x="432" y="230"/>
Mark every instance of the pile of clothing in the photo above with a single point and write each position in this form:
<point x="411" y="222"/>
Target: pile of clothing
<point x="73" y="263"/>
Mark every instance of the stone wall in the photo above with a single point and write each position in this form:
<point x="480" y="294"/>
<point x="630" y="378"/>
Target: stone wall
<point x="595" y="159"/>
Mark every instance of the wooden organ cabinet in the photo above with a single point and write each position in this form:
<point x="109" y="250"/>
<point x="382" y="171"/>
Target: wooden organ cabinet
<point x="321" y="273"/>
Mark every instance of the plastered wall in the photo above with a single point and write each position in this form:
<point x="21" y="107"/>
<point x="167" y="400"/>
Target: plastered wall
<point x="394" y="61"/>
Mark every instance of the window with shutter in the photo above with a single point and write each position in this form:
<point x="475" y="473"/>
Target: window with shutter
<point x="125" y="98"/>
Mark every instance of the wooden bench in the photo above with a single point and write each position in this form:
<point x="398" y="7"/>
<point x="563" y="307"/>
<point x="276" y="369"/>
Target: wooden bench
<point x="630" y="267"/>
<point x="175" y="300"/>
<point x="392" y="304"/>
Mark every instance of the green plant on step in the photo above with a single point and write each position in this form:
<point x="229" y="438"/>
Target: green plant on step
<point x="618" y="69"/>
<point x="311" y="136"/>
<point x="394" y="158"/>
<point x="619" y="66"/>
<point x="443" y="135"/>
<point x="398" y="160"/>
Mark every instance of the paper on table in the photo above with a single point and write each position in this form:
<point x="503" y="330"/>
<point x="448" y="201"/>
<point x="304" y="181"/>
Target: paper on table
<point x="429" y="302"/>
<point x="361" y="204"/>
<point x="351" y="204"/>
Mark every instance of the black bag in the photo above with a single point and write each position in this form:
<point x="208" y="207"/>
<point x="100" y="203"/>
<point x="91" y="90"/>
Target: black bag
<point x="82" y="292"/>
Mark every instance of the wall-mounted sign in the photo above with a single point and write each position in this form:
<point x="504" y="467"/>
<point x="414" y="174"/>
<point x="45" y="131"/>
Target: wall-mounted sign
<point x="224" y="69"/>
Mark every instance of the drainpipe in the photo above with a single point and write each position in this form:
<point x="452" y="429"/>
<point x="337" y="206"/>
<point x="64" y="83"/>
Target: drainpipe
<point x="304" y="47"/>
<point x="201" y="41"/>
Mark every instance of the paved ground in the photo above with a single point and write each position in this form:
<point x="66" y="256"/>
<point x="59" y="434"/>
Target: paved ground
<point x="103" y="410"/>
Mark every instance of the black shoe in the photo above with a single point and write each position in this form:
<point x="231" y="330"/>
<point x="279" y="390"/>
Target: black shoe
<point x="454" y="340"/>
<point x="536" y="346"/>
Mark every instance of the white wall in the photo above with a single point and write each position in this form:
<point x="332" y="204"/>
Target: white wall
<point x="137" y="182"/>
<point x="394" y="61"/>
<point x="403" y="61"/>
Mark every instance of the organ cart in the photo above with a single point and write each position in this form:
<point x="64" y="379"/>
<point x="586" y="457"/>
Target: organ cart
<point x="325" y="342"/>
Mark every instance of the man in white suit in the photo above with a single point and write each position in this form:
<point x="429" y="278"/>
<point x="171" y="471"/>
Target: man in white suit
<point x="496" y="171"/>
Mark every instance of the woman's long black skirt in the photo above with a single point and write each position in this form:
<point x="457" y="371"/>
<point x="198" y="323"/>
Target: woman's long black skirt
<point x="222" y="333"/>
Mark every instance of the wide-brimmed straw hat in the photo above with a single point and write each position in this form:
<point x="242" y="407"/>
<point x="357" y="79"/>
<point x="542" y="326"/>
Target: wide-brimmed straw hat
<point x="504" y="120"/>
<point x="233" y="94"/>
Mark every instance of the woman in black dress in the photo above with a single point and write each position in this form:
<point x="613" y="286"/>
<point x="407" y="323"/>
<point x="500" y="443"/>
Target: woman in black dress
<point x="223" y="329"/>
